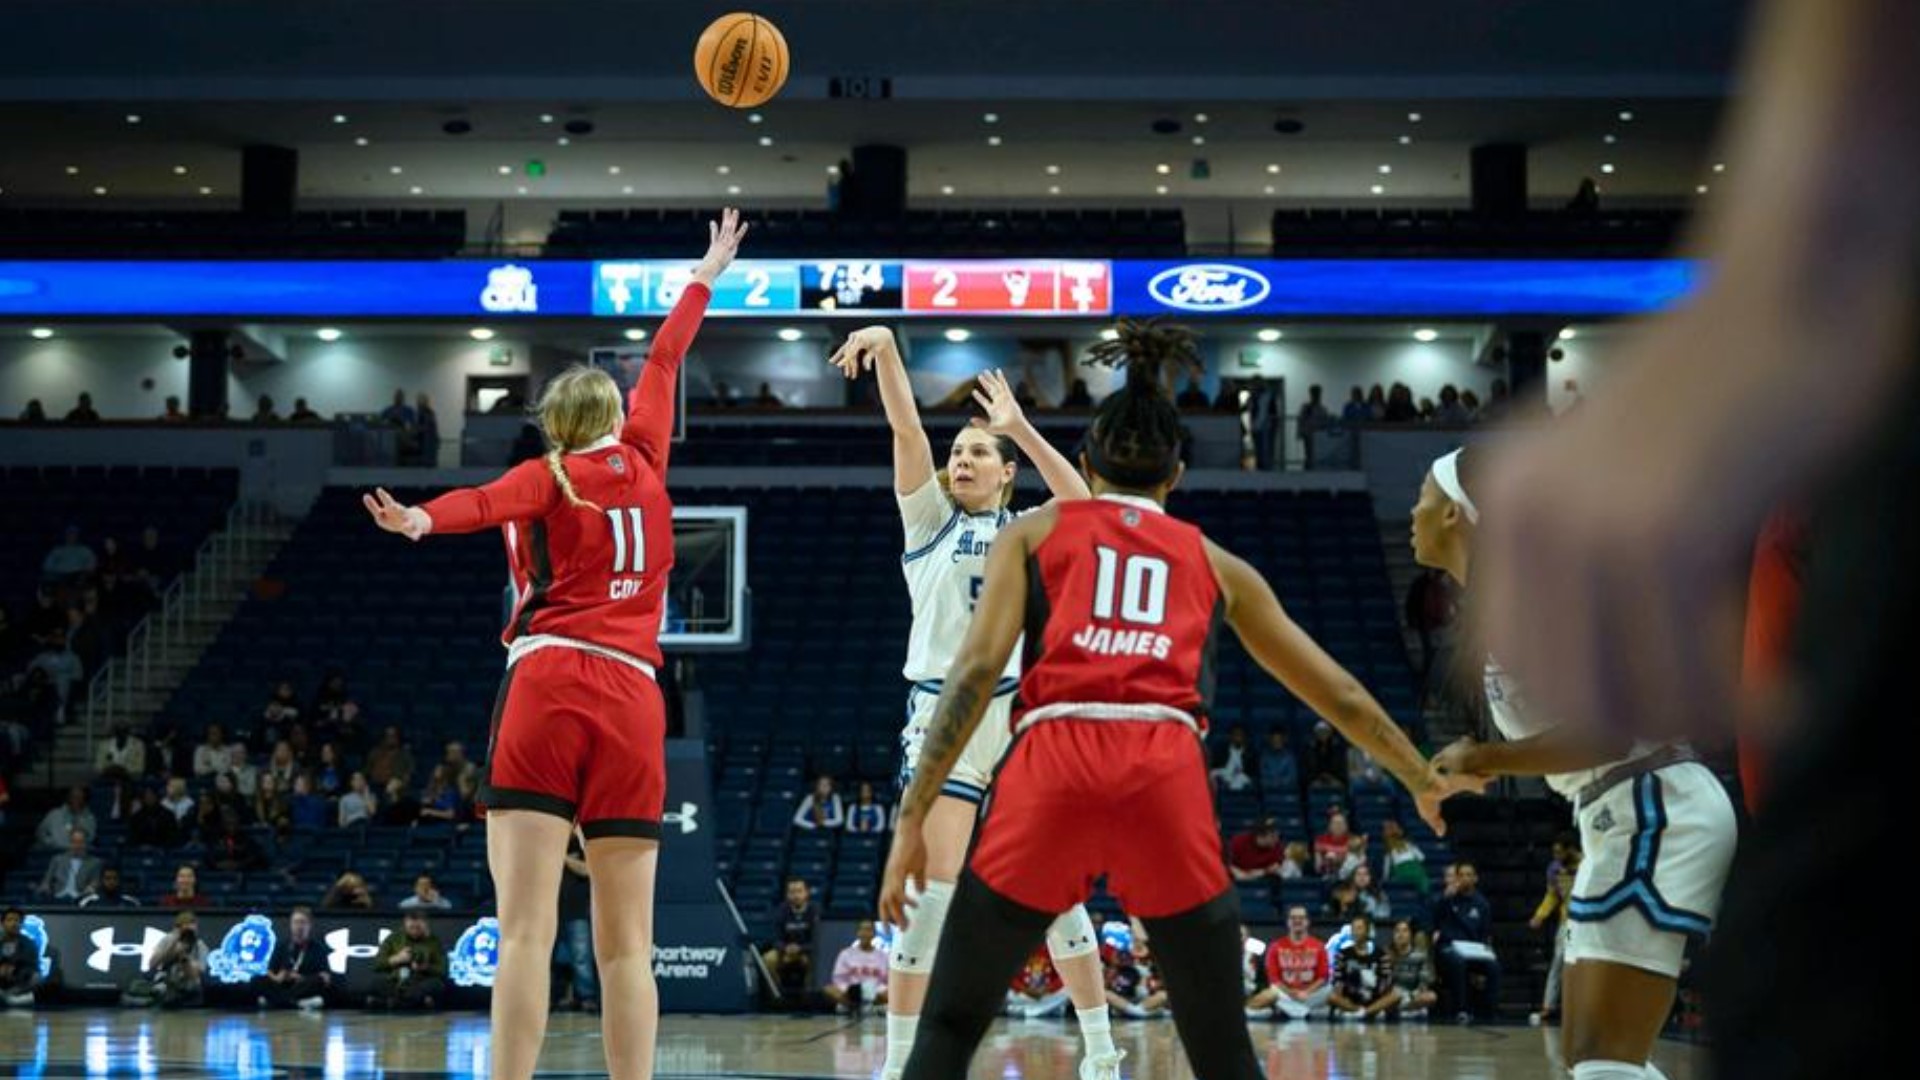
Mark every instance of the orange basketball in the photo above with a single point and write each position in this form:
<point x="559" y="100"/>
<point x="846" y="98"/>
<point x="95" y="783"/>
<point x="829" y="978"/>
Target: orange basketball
<point x="741" y="60"/>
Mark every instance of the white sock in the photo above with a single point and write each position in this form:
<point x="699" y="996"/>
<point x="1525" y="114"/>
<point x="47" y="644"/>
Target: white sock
<point x="900" y="1031"/>
<point x="1097" y="1031"/>
<point x="1608" y="1070"/>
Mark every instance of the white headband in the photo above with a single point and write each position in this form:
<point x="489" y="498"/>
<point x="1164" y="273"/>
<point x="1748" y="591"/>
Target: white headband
<point x="1446" y="473"/>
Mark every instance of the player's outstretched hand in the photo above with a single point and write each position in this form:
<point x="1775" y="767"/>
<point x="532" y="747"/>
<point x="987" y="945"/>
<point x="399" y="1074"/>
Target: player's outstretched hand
<point x="409" y="521"/>
<point x="996" y="397"/>
<point x="906" y="874"/>
<point x="723" y="243"/>
<point x="860" y="350"/>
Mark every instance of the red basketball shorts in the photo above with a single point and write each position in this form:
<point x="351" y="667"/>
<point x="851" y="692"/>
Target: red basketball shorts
<point x="582" y="737"/>
<point x="1075" y="799"/>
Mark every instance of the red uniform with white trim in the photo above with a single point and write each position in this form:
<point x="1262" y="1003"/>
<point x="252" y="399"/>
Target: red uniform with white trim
<point x="579" y="724"/>
<point x="1107" y="774"/>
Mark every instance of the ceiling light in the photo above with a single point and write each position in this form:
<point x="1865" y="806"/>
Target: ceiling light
<point x="957" y="335"/>
<point x="1199" y="140"/>
<point x="613" y="170"/>
<point x="1163" y="169"/>
<point x="361" y="141"/>
<point x="41" y="333"/>
<point x="1610" y="138"/>
<point x="506" y="170"/>
<point x="416" y="190"/>
<point x="1626" y="116"/>
<point x="766" y="140"/>
<point x="1701" y="190"/>
<point x="546" y="118"/>
<point x="563" y="141"/>
<point x="1109" y="334"/>
<point x="206" y="191"/>
<point x="1386" y="170"/>
<point x="993" y="140"/>
<point x="1199" y="118"/>
<point x="1378" y="189"/>
<point x="522" y="189"/>
<point x="1268" y="189"/>
<point x="1413" y="118"/>
<point x="723" y="169"/>
<point x="1719" y="166"/>
<point x="327" y="333"/>
<point x="991" y="118"/>
<point x="1406" y="140"/>
<point x="833" y="170"/>
<point x="179" y="170"/>
<point x="1053" y="170"/>
<point x="946" y="189"/>
<point x="133" y="118"/>
<point x="1160" y="189"/>
<point x="73" y="170"/>
<point x="1568" y="333"/>
<point x="99" y="191"/>
<point x="733" y="189"/>
<point x="395" y="169"/>
<point x="626" y="189"/>
<point x="754" y="118"/>
<point x="1607" y="168"/>
<point x="1269" y="335"/>
<point x="1053" y="189"/>
<point x="480" y="333"/>
<point x="789" y="333"/>
<point x="1426" y="334"/>
<point x="635" y="334"/>
<point x="339" y="118"/>
<point x="1272" y="169"/>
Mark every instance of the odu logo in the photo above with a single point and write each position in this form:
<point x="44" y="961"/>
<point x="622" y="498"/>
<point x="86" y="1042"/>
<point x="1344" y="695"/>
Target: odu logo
<point x="476" y="954"/>
<point x="244" y="952"/>
<point x="34" y="929"/>
<point x="340" y="949"/>
<point x="106" y="950"/>
<point x="510" y="288"/>
<point x="1209" y="287"/>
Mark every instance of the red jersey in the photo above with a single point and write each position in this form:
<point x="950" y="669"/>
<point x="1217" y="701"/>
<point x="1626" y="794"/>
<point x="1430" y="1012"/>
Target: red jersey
<point x="595" y="574"/>
<point x="1123" y="609"/>
<point x="1297" y="966"/>
<point x="1245" y="853"/>
<point x="1773" y="607"/>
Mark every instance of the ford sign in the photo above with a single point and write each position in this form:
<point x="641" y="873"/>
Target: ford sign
<point x="1209" y="287"/>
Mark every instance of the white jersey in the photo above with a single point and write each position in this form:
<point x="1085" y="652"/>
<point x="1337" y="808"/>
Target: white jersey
<point x="945" y="565"/>
<point x="1511" y="716"/>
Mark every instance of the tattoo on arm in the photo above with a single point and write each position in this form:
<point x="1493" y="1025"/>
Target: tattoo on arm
<point x="954" y="719"/>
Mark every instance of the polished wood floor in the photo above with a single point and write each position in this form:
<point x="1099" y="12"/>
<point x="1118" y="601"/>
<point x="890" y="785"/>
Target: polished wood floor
<point x="357" y="1045"/>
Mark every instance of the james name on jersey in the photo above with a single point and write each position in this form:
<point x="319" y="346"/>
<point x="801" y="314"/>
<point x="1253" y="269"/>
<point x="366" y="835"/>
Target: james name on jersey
<point x="1105" y="641"/>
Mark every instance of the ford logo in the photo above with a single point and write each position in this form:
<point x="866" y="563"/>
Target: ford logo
<point x="1209" y="287"/>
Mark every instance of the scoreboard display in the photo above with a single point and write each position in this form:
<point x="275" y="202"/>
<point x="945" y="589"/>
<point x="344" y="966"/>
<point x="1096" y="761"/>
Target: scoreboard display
<point x="1042" y="287"/>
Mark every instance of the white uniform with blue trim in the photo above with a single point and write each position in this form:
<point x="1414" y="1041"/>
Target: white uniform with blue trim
<point x="1656" y="849"/>
<point x="945" y="565"/>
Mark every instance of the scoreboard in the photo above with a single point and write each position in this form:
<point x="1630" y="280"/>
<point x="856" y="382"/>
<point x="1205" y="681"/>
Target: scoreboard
<point x="1040" y="287"/>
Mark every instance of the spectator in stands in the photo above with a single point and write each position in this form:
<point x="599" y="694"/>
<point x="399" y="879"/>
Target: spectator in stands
<point x="1570" y="397"/>
<point x="273" y="806"/>
<point x="576" y="927"/>
<point x="70" y="560"/>
<point x="1370" y="896"/>
<point x="413" y="967"/>
<point x="174" y="974"/>
<point x="280" y="712"/>
<point x="1463" y="942"/>
<point x="282" y="766"/>
<point x="82" y="411"/>
<point x="151" y="824"/>
<point x="230" y="847"/>
<point x="1356" y="857"/>
<point x="330" y="775"/>
<point x="1080" y="396"/>
<point x="1363" y="985"/>
<point x="1413" y="973"/>
<point x="302" y="413"/>
<point x="866" y="815"/>
<point x="1400" y="406"/>
<point x="1451" y="412"/>
<point x="398" y="414"/>
<point x="186" y="890"/>
<point x="822" y="808"/>
<point x="391" y="760"/>
<point x="767" y="399"/>
<point x="426" y="433"/>
<point x="1134" y="988"/>
<point x="178" y="802"/>
<point x="1343" y="903"/>
<point x="440" y="803"/>
<point x="297" y="975"/>
<point x="224" y="796"/>
<point x="110" y="891"/>
<point x="1470" y="404"/>
<point x="90" y="633"/>
<point x="34" y="414"/>
<point x="211" y="757"/>
<point x="359" y="804"/>
<point x="1298" y="862"/>
<point x="859" y="976"/>
<point x="1297" y="965"/>
<point x="63" y="669"/>
<point x="1255" y="855"/>
<point x="263" y="412"/>
<point x="1356" y="412"/>
<point x="1405" y="863"/>
<point x="1553" y="912"/>
<point x="1330" y="847"/>
<point x="529" y="444"/>
<point x="1263" y="421"/>
<point x="1279" y="769"/>
<point x="1037" y="990"/>
<point x="461" y="773"/>
<point x="1326" y="759"/>
<point x="174" y="414"/>
<point x="796" y="920"/>
<point x="1233" y="765"/>
<point x="246" y="777"/>
<point x="1229" y="397"/>
<point x="1431" y="605"/>
<point x="154" y="564"/>
<point x="62" y="821"/>
<point x="306" y="810"/>
<point x="121" y="756"/>
<point x="45" y="624"/>
<point x="19" y="961"/>
<point x="348" y="893"/>
<point x="399" y="809"/>
<point x="1193" y="398"/>
<point x="1313" y="416"/>
<point x="426" y="895"/>
<point x="71" y="874"/>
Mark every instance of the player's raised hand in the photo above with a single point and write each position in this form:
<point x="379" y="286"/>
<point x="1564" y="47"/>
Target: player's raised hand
<point x="860" y="350"/>
<point x="995" y="395"/>
<point x="409" y="521"/>
<point x="723" y="243"/>
<point x="906" y="874"/>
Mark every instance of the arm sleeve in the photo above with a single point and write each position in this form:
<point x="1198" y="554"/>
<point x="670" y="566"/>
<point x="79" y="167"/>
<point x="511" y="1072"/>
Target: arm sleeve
<point x="526" y="491"/>
<point x="803" y="817"/>
<point x="649" y="427"/>
<point x="924" y="513"/>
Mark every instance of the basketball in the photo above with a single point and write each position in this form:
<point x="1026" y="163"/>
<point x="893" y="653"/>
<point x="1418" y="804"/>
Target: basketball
<point x="741" y="60"/>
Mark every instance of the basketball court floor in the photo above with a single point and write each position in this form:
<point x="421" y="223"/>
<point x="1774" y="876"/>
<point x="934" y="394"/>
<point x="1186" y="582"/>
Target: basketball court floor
<point x="230" y="1046"/>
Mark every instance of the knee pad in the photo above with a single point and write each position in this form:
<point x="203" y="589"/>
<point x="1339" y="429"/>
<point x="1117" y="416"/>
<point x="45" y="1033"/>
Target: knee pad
<point x="914" y="947"/>
<point x="1072" y="934"/>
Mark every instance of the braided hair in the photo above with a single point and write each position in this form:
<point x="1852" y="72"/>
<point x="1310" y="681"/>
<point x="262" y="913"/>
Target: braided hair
<point x="1136" y="434"/>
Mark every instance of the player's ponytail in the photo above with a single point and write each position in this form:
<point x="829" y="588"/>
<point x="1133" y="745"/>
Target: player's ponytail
<point x="579" y="407"/>
<point x="1136" y="434"/>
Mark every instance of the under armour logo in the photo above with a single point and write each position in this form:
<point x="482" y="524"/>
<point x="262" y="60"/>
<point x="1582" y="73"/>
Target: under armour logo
<point x="106" y="949"/>
<point x="687" y="817"/>
<point x="340" y="949"/>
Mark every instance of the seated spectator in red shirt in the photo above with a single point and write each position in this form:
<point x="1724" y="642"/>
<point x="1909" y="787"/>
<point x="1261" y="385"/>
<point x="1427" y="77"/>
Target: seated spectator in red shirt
<point x="1038" y="990"/>
<point x="1256" y="853"/>
<point x="1297" y="966"/>
<point x="1330" y="849"/>
<point x="186" y="890"/>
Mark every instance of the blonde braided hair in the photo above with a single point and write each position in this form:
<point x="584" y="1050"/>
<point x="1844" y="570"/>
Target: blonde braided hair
<point x="579" y="407"/>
